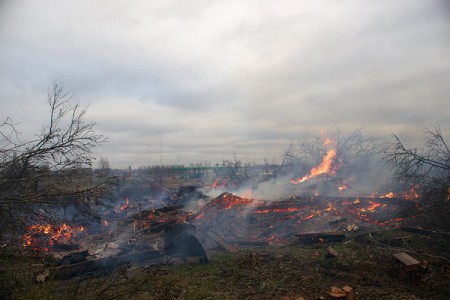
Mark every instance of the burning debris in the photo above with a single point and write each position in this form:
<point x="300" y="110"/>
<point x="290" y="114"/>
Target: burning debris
<point x="184" y="196"/>
<point x="234" y="220"/>
<point x="321" y="208"/>
<point x="191" y="224"/>
<point x="327" y="166"/>
<point x="122" y="207"/>
<point x="52" y="237"/>
<point x="243" y="221"/>
<point x="187" y="225"/>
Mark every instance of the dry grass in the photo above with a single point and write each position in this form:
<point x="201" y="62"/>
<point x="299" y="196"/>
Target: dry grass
<point x="365" y="263"/>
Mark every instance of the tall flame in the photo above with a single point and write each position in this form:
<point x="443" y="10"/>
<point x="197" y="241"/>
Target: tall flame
<point x="325" y="167"/>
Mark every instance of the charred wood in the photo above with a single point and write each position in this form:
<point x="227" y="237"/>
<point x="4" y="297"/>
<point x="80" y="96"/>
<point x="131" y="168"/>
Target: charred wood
<point x="219" y="240"/>
<point x="187" y="245"/>
<point x="181" y="240"/>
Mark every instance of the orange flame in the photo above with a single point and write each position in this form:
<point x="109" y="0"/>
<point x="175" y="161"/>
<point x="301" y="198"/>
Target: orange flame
<point x="329" y="207"/>
<point x="325" y="167"/>
<point x="364" y="214"/>
<point x="312" y="215"/>
<point x="389" y="195"/>
<point x="126" y="205"/>
<point x="230" y="200"/>
<point x="120" y="208"/>
<point x="372" y="207"/>
<point x="412" y="194"/>
<point x="343" y="187"/>
<point x="64" y="233"/>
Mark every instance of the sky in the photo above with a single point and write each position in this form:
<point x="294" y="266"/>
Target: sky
<point x="179" y="82"/>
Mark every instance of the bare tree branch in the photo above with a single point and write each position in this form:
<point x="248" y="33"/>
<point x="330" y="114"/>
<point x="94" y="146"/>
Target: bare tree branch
<point x="428" y="166"/>
<point x="38" y="177"/>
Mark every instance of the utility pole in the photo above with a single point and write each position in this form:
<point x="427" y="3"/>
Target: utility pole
<point x="160" y="160"/>
<point x="160" y="149"/>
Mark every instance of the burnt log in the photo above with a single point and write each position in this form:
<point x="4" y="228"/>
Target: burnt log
<point x="184" y="195"/>
<point x="74" y="258"/>
<point x="181" y="240"/>
<point x="175" y="230"/>
<point x="187" y="245"/>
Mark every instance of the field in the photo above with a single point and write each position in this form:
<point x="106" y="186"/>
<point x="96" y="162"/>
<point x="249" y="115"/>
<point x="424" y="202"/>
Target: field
<point x="364" y="262"/>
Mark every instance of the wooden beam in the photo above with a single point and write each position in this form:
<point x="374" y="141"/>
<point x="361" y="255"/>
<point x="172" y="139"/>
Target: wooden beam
<point x="218" y="239"/>
<point x="409" y="263"/>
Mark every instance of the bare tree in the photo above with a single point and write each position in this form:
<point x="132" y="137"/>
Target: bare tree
<point x="234" y="170"/>
<point x="104" y="167"/>
<point x="40" y="176"/>
<point x="103" y="163"/>
<point x="354" y="152"/>
<point x="427" y="167"/>
<point x="238" y="171"/>
<point x="289" y="160"/>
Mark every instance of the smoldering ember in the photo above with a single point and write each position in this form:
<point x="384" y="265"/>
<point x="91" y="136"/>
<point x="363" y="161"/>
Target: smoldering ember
<point x="341" y="216"/>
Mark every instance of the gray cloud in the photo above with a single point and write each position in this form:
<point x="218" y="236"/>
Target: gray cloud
<point x="205" y="79"/>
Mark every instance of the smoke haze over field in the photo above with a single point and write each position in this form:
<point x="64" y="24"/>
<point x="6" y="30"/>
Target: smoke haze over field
<point x="191" y="81"/>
